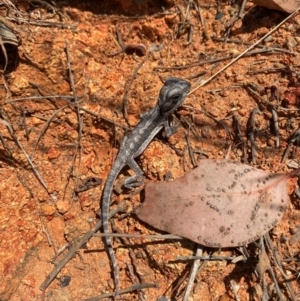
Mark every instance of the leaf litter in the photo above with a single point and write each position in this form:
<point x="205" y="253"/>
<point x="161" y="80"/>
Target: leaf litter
<point x="218" y="204"/>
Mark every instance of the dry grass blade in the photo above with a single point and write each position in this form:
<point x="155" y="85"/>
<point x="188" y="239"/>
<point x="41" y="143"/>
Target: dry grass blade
<point x="218" y="204"/>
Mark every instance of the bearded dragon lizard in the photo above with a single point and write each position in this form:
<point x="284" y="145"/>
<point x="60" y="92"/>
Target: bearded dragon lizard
<point x="171" y="96"/>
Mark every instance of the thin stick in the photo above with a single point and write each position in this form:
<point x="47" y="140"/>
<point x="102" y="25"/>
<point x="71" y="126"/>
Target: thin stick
<point x="209" y="258"/>
<point x="134" y="287"/>
<point x="251" y="133"/>
<point x="193" y="273"/>
<point x="45" y="129"/>
<point x="276" y="128"/>
<point x="35" y="171"/>
<point x="78" y="148"/>
<point x="221" y="59"/>
<point x="159" y="236"/>
<point x="270" y="246"/>
<point x="39" y="98"/>
<point x="25" y="185"/>
<point x="65" y="98"/>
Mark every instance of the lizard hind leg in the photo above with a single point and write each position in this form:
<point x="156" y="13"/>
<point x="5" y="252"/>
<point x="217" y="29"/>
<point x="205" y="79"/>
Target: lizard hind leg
<point x="138" y="178"/>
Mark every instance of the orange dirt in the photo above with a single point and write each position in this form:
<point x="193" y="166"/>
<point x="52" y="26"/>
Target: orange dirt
<point x="34" y="227"/>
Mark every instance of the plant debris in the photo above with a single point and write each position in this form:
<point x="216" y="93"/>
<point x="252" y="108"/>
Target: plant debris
<point x="218" y="204"/>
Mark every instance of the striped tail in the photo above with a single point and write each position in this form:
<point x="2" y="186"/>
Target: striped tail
<point x="106" y="196"/>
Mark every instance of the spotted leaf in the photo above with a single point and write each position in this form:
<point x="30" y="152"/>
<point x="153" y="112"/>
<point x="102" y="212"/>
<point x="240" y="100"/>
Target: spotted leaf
<point x="218" y="204"/>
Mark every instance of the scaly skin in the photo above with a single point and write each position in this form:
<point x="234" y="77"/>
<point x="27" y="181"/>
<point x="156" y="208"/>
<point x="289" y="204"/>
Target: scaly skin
<point x="171" y="96"/>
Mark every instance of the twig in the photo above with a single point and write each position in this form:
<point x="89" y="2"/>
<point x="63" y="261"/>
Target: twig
<point x="6" y="147"/>
<point x="39" y="98"/>
<point x="35" y="171"/>
<point x="5" y="55"/>
<point x="212" y="117"/>
<point x="270" y="246"/>
<point x="134" y="287"/>
<point x="59" y="251"/>
<point x="190" y="150"/>
<point x="272" y="70"/>
<point x="158" y="236"/>
<point x="209" y="258"/>
<point x="268" y="267"/>
<point x="119" y="38"/>
<point x="8" y="93"/>
<point x="42" y="132"/>
<point x="76" y="101"/>
<point x="241" y="42"/>
<point x="44" y="23"/>
<point x="250" y="133"/>
<point x="239" y="136"/>
<point x="25" y="185"/>
<point x="198" y="9"/>
<point x="293" y="140"/>
<point x="276" y="129"/>
<point x="48" y="6"/>
<point x="213" y="61"/>
<point x="190" y="126"/>
<point x="242" y="8"/>
<point x="249" y="87"/>
<point x="193" y="273"/>
<point x="65" y="98"/>
<point x="49" y="238"/>
<point x="78" y="144"/>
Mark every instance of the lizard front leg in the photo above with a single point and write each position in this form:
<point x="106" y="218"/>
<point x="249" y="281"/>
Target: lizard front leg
<point x="169" y="126"/>
<point x="138" y="178"/>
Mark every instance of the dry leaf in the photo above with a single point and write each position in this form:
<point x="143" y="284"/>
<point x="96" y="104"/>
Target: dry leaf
<point x="283" y="5"/>
<point x="218" y="204"/>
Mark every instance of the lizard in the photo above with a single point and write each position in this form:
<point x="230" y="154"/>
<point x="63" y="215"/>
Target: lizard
<point x="171" y="96"/>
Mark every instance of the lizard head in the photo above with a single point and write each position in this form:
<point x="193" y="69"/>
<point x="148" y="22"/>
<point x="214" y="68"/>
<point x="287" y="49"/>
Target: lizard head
<point x="172" y="95"/>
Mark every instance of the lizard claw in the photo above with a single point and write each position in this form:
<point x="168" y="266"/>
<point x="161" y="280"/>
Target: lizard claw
<point x="134" y="182"/>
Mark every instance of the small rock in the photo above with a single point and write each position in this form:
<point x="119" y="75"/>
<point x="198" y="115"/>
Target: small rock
<point x="279" y="65"/>
<point x="156" y="56"/>
<point x="291" y="43"/>
<point x="64" y="280"/>
<point x="48" y="210"/>
<point x="18" y="85"/>
<point x="294" y="230"/>
<point x="36" y="121"/>
<point x="53" y="153"/>
<point x="62" y="206"/>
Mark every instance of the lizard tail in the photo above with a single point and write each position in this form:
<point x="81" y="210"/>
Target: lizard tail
<point x="107" y="192"/>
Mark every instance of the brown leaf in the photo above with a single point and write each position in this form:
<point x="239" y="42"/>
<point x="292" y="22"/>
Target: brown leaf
<point x="283" y="5"/>
<point x="218" y="204"/>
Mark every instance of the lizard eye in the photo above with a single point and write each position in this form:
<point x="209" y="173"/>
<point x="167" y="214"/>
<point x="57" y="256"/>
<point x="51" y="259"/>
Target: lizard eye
<point x="176" y="97"/>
